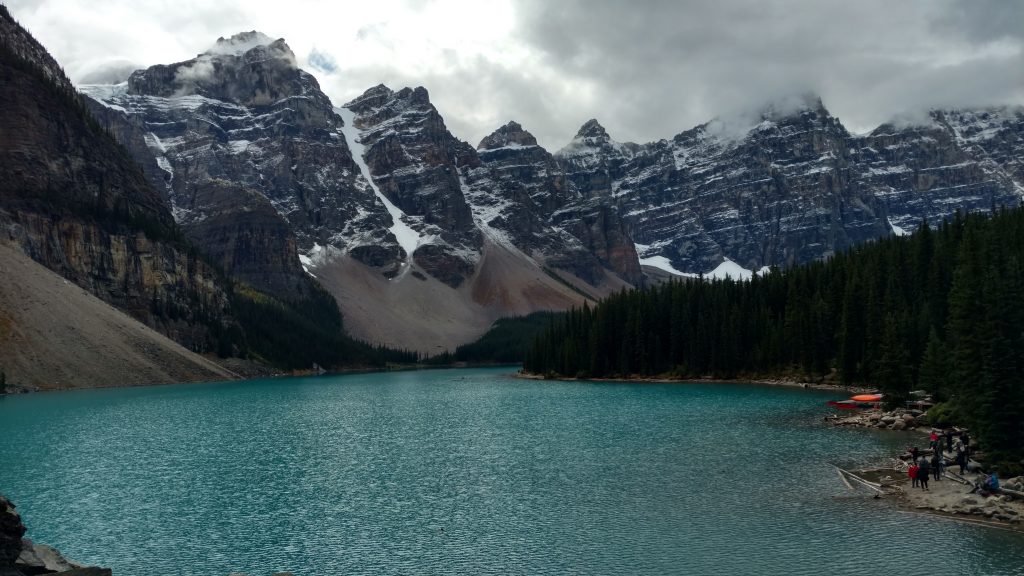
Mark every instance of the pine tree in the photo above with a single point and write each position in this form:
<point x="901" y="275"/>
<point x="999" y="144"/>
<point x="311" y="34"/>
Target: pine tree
<point x="934" y="371"/>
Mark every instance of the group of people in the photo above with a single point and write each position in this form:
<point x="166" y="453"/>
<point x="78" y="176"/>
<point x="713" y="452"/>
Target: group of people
<point x="922" y="467"/>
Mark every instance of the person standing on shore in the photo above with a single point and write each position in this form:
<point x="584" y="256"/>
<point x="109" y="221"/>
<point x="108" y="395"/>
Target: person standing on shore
<point x="961" y="456"/>
<point x="937" y="464"/>
<point x="949" y="439"/>
<point x="922" y="473"/>
<point x="912" y="472"/>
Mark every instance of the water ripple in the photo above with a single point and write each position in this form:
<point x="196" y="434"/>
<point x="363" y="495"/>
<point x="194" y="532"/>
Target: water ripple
<point x="463" y="472"/>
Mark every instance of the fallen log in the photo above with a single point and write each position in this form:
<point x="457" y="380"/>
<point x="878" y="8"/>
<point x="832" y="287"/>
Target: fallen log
<point x="847" y="475"/>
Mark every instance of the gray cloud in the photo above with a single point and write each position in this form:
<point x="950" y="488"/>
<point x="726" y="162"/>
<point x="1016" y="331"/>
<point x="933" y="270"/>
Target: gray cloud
<point x="112" y="72"/>
<point x="662" y="66"/>
<point x="646" y="69"/>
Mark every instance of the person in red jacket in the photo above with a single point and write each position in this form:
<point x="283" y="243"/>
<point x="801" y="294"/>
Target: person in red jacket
<point x="912" y="472"/>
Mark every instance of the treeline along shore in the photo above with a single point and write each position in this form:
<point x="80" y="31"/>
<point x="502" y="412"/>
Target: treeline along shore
<point x="940" y="310"/>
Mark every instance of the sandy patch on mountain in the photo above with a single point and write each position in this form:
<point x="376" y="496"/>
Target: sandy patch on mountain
<point x="431" y="317"/>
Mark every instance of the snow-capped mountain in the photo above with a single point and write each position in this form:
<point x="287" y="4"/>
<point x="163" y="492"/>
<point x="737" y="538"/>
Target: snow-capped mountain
<point x="425" y="240"/>
<point x="252" y="157"/>
<point x="795" y="186"/>
<point x="526" y="196"/>
<point x="375" y="198"/>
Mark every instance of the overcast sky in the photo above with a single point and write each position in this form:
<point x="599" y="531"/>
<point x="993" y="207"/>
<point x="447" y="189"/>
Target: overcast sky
<point x="645" y="69"/>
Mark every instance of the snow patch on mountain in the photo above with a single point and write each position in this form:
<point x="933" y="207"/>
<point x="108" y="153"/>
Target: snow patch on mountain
<point x="408" y="238"/>
<point x="730" y="269"/>
<point x="727" y="269"/>
<point x="658" y="261"/>
<point x="898" y="231"/>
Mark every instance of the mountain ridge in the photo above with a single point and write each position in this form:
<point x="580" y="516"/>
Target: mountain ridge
<point x="786" y="186"/>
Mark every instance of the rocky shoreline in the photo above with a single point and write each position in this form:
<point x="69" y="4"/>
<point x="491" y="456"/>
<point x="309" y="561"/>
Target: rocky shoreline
<point x="20" y="556"/>
<point x="898" y="419"/>
<point x="953" y="496"/>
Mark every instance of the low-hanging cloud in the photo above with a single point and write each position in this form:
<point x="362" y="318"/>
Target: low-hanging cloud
<point x="647" y="70"/>
<point x="678" y="63"/>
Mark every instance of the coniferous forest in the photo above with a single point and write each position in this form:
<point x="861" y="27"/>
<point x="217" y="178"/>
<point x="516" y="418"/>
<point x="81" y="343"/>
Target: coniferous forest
<point x="940" y="310"/>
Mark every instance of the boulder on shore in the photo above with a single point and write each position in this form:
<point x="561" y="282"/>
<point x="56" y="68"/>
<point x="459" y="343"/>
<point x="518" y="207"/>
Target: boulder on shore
<point x="20" y="556"/>
<point x="42" y="559"/>
<point x="11" y="532"/>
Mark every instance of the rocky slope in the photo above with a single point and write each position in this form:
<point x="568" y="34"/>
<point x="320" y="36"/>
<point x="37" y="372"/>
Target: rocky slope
<point x="55" y="335"/>
<point x="473" y="245"/>
<point x="74" y="200"/>
<point x="524" y="194"/>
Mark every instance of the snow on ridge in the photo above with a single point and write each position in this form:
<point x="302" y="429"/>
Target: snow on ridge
<point x="313" y="258"/>
<point x="105" y="93"/>
<point x="483" y="214"/>
<point x="160" y="154"/>
<point x="408" y="238"/>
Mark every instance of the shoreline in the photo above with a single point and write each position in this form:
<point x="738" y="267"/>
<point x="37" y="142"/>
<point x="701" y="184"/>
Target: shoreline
<point x="949" y="498"/>
<point x="18" y="390"/>
<point x="779" y="382"/>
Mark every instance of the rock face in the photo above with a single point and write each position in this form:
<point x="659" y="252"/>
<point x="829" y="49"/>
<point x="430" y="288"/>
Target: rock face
<point x="72" y="199"/>
<point x="959" y="160"/>
<point x="262" y="172"/>
<point x="414" y="163"/>
<point x="42" y="559"/>
<point x="11" y="531"/>
<point x="522" y="192"/>
<point x="796" y="186"/>
<point x="268" y="177"/>
<point x="251" y="158"/>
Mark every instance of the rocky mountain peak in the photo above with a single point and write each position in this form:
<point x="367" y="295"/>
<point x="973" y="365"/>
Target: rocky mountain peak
<point x="373" y="98"/>
<point x="592" y="129"/>
<point x="415" y="96"/>
<point x="249" y="68"/>
<point x="592" y="144"/>
<point x="511" y="134"/>
<point x="794" y="105"/>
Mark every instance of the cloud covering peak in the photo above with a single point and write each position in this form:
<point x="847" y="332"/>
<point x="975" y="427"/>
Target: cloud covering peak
<point x="239" y="43"/>
<point x="647" y="70"/>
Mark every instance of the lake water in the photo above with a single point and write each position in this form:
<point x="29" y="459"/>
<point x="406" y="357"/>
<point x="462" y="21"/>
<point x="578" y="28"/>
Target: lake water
<point x="464" y="472"/>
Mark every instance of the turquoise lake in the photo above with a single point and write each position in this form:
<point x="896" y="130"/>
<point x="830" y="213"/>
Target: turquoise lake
<point x="464" y="472"/>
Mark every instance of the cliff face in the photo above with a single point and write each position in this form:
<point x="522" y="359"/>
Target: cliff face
<point x="796" y="186"/>
<point x="72" y="199"/>
<point x="269" y="178"/>
<point x="414" y="163"/>
<point x="541" y="210"/>
<point x="249" y="154"/>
